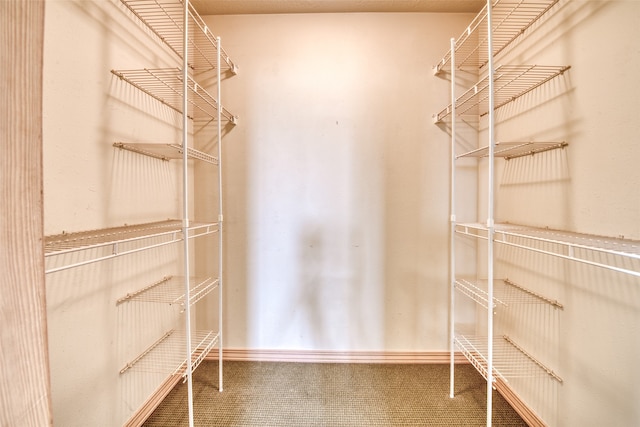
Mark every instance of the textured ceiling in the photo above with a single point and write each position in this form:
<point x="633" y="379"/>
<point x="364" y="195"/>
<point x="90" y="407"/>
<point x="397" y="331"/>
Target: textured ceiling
<point x="239" y="7"/>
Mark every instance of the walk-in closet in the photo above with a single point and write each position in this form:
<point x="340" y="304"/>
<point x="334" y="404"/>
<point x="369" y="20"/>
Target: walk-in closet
<point x="350" y="213"/>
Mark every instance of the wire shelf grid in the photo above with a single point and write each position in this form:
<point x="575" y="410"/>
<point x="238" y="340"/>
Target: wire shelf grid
<point x="511" y="150"/>
<point x="165" y="151"/>
<point x="563" y="244"/>
<point x="510" y="19"/>
<point x="123" y="240"/>
<point x="509" y="359"/>
<point x="66" y="242"/>
<point x="165" y="85"/>
<point x="166" y="355"/>
<point x="506" y="293"/>
<point x="170" y="290"/>
<point x="510" y="81"/>
<point x="165" y="19"/>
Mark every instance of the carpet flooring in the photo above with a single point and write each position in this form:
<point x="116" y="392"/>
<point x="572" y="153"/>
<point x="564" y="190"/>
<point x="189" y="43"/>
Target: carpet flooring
<point x="283" y="394"/>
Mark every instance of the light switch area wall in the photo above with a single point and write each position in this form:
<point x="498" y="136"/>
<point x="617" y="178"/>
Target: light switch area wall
<point x="336" y="182"/>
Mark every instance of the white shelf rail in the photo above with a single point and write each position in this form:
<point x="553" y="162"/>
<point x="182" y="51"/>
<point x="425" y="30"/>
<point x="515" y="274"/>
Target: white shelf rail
<point x="511" y="82"/>
<point x="562" y="244"/>
<point x="167" y="355"/>
<point x="165" y="19"/>
<point x="165" y="151"/>
<point x="118" y="241"/>
<point x="510" y="360"/>
<point x="511" y="150"/>
<point x="511" y="18"/>
<point x="170" y="290"/>
<point x="506" y="294"/>
<point x="166" y="86"/>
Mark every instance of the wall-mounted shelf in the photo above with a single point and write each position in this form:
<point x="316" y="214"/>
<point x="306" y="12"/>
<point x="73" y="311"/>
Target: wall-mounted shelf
<point x="194" y="91"/>
<point x="511" y="150"/>
<point x="170" y="290"/>
<point x="165" y="151"/>
<point x="562" y="244"/>
<point x="506" y="293"/>
<point x="490" y="33"/>
<point x="510" y="360"/>
<point x="165" y="19"/>
<point x="119" y="241"/>
<point x="510" y="19"/>
<point x="165" y="85"/>
<point x="510" y="82"/>
<point x="166" y="354"/>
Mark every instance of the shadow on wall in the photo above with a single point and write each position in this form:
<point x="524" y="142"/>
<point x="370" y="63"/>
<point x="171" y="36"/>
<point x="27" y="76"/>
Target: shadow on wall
<point x="329" y="293"/>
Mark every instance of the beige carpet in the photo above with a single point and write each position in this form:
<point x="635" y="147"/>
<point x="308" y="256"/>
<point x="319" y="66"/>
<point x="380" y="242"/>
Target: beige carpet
<point x="327" y="394"/>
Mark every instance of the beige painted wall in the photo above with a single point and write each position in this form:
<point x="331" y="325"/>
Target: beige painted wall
<point x="336" y="182"/>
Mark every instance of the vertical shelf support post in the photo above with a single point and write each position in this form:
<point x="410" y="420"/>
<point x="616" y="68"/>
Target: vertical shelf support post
<point x="490" y="214"/>
<point x="452" y="231"/>
<point x="220" y="215"/>
<point x="185" y="205"/>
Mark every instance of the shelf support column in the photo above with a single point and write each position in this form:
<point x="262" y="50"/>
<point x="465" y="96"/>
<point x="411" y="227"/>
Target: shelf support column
<point x="490" y="214"/>
<point x="220" y="215"/>
<point x="185" y="205"/>
<point x="452" y="231"/>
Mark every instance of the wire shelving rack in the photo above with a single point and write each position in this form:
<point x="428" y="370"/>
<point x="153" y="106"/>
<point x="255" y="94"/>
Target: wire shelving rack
<point x="107" y="243"/>
<point x="511" y="18"/>
<point x="165" y="19"/>
<point x="494" y="29"/>
<point x="178" y="25"/>
<point x="166" y="355"/>
<point x="511" y="150"/>
<point x="579" y="247"/>
<point x="170" y="290"/>
<point x="166" y="86"/>
<point x="511" y="82"/>
<point x="165" y="151"/>
<point x="511" y="360"/>
<point x="506" y="293"/>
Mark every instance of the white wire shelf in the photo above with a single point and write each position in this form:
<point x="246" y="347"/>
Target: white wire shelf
<point x="165" y="85"/>
<point x="510" y="83"/>
<point x="510" y="18"/>
<point x="165" y="19"/>
<point x="509" y="359"/>
<point x="511" y="150"/>
<point x="170" y="290"/>
<point x="165" y="151"/>
<point x="583" y="248"/>
<point x="120" y="241"/>
<point x="167" y="355"/>
<point x="505" y="293"/>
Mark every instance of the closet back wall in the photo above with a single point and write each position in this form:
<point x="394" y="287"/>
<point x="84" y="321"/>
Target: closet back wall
<point x="336" y="182"/>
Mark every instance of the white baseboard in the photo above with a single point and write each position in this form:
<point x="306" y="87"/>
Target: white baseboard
<point x="147" y="408"/>
<point x="526" y="413"/>
<point x="315" y="356"/>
